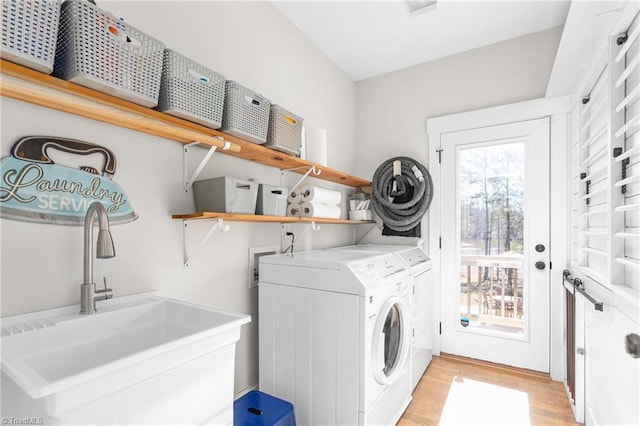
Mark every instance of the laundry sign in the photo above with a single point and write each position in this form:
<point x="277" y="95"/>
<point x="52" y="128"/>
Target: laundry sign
<point x="34" y="188"/>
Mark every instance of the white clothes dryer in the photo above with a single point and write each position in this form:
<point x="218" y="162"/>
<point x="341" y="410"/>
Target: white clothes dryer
<point x="334" y="333"/>
<point x="419" y="266"/>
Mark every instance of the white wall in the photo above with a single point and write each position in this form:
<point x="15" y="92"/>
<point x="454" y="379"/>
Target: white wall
<point x="251" y="43"/>
<point x="392" y="109"/>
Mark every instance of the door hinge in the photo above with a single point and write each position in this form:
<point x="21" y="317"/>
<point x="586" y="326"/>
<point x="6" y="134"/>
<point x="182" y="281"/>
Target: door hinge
<point x="616" y="153"/>
<point x="440" y="328"/>
<point x="624" y="165"/>
<point x="622" y="39"/>
<point x="439" y="151"/>
<point x="588" y="190"/>
<point x="550" y="265"/>
<point x="439" y="242"/>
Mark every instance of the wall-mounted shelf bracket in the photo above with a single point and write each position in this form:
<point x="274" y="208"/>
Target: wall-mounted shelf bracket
<point x="218" y="225"/>
<point x="314" y="226"/>
<point x="312" y="169"/>
<point x="188" y="180"/>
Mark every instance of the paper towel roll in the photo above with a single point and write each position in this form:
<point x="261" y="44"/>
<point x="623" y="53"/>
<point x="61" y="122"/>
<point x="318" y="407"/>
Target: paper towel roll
<point x="314" y="209"/>
<point x="320" y="195"/>
<point x="295" y="196"/>
<point x="294" y="210"/>
<point x="316" y="146"/>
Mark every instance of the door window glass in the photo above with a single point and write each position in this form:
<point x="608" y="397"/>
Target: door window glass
<point x="491" y="203"/>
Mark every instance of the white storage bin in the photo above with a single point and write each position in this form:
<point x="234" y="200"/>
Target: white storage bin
<point x="272" y="200"/>
<point x="226" y="195"/>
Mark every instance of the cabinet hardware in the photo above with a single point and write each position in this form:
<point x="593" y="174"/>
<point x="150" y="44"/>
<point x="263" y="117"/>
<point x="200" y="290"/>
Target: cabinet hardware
<point x="632" y="345"/>
<point x="579" y="287"/>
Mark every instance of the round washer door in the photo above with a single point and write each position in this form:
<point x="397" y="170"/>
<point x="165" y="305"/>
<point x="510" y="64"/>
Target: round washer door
<point x="390" y="341"/>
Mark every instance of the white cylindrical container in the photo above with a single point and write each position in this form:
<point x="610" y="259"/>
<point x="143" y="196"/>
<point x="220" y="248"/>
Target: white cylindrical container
<point x="316" y="146"/>
<point x="303" y="146"/>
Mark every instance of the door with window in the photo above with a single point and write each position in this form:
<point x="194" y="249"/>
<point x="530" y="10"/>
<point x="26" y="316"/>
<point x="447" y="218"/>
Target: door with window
<point x="495" y="243"/>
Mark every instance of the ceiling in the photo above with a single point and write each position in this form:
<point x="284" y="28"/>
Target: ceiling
<point x="370" y="38"/>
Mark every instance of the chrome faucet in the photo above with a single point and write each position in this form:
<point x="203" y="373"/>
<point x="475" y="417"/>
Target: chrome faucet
<point x="104" y="250"/>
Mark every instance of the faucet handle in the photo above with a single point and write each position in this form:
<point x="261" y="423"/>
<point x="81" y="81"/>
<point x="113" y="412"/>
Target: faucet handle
<point x="108" y="293"/>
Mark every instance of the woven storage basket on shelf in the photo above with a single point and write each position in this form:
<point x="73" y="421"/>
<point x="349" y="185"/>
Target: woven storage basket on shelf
<point x="97" y="50"/>
<point x="246" y="113"/>
<point x="191" y="91"/>
<point x="29" y="32"/>
<point x="285" y="130"/>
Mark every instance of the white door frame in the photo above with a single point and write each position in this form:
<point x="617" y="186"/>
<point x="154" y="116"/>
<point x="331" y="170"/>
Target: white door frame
<point x="558" y="110"/>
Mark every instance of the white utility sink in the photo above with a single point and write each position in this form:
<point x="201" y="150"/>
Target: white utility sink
<point x="139" y="359"/>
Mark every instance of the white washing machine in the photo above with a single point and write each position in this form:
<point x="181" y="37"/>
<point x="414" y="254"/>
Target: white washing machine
<point x="419" y="266"/>
<point x="335" y="335"/>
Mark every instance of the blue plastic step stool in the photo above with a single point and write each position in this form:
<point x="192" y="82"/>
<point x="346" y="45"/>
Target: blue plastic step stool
<point x="260" y="409"/>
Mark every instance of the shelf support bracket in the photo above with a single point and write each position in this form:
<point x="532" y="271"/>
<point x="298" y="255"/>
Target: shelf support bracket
<point x="313" y="225"/>
<point x="312" y="169"/>
<point x="188" y="180"/>
<point x="218" y="225"/>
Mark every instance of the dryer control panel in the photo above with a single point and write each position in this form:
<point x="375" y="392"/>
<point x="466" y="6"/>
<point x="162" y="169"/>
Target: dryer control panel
<point x="373" y="270"/>
<point x="414" y="257"/>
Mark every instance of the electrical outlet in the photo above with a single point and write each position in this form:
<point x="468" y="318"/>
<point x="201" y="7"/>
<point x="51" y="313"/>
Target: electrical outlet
<point x="254" y="262"/>
<point x="285" y="240"/>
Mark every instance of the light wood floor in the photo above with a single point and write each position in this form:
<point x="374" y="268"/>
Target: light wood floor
<point x="547" y="400"/>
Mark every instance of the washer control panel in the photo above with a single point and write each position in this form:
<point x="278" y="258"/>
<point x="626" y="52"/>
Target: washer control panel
<point x="380" y="268"/>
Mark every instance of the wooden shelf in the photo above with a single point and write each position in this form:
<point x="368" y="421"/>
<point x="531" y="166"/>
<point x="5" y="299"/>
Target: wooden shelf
<point x="234" y="217"/>
<point x="27" y="85"/>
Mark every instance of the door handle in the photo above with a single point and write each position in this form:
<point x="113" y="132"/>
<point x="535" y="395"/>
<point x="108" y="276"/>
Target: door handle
<point x="540" y="265"/>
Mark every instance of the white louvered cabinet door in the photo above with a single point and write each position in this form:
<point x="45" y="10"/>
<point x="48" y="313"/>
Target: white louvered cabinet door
<point x="626" y="163"/>
<point x="594" y="183"/>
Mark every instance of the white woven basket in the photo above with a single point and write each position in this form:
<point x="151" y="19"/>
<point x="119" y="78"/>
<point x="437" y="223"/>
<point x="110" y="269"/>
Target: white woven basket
<point x="29" y="32"/>
<point x="97" y="50"/>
